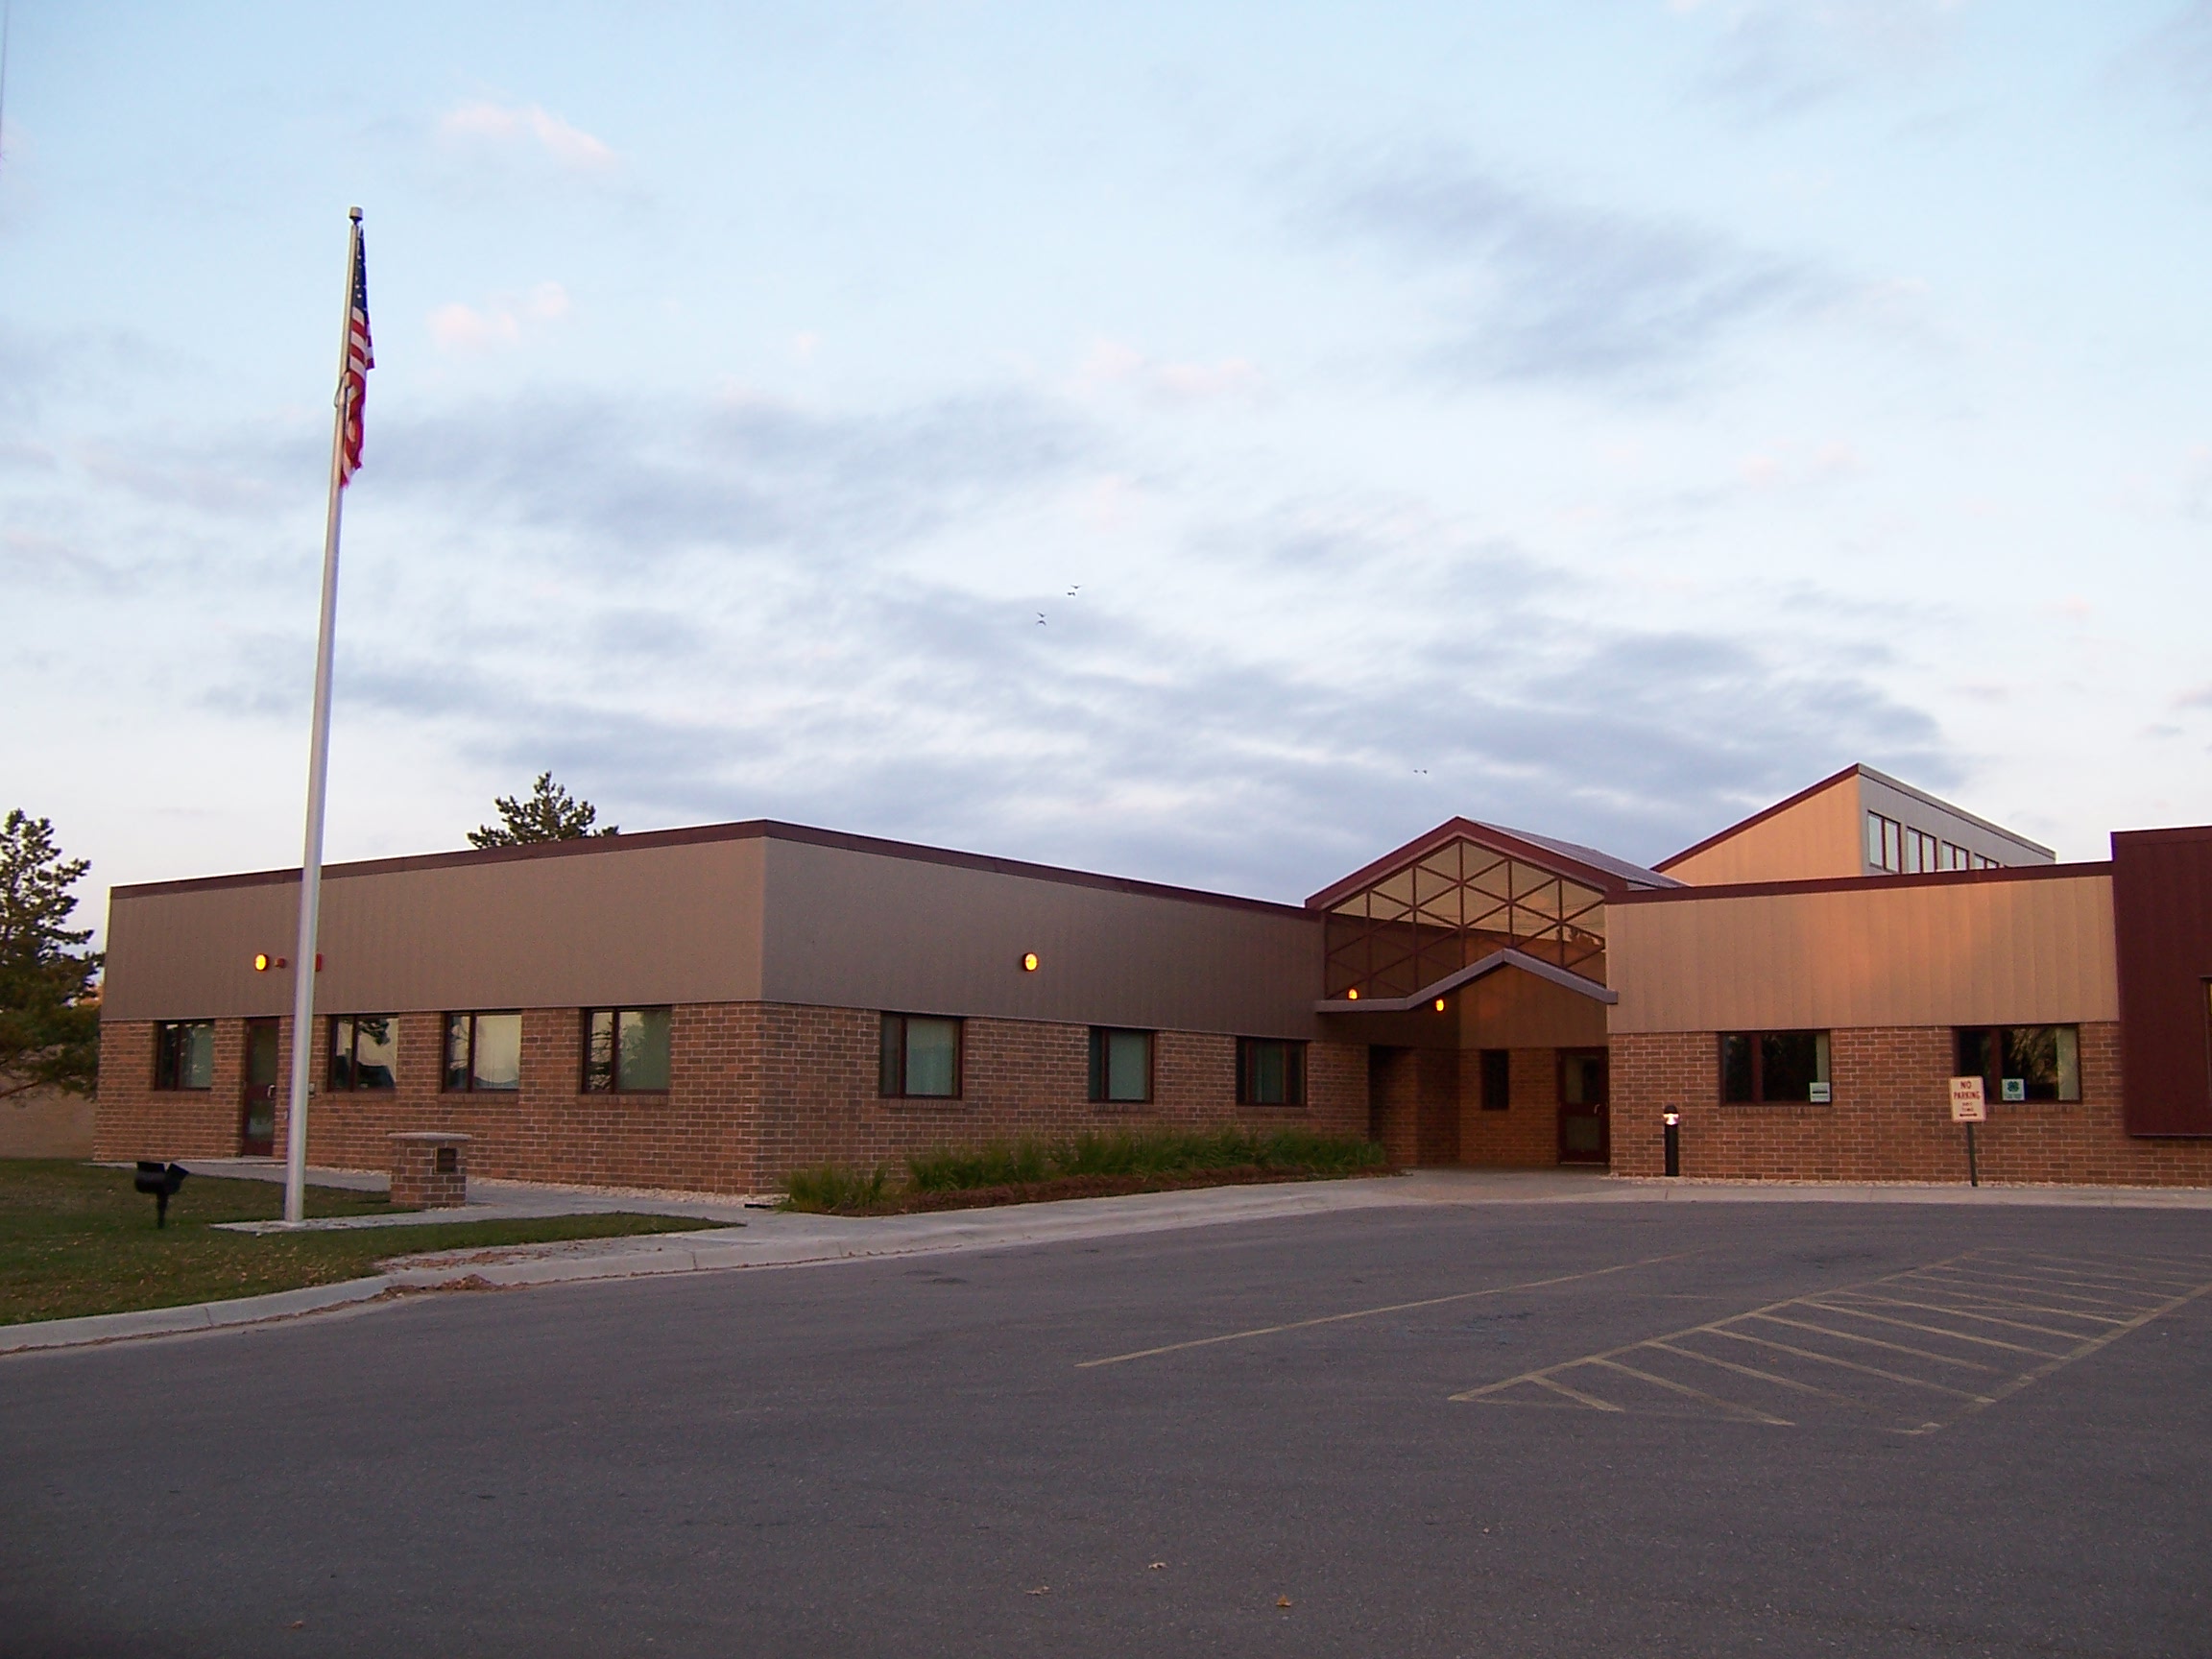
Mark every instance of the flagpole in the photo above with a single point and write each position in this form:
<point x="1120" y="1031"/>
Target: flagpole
<point x="303" y="958"/>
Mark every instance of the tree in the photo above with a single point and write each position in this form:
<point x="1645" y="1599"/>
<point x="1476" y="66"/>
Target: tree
<point x="49" y="1011"/>
<point x="549" y="814"/>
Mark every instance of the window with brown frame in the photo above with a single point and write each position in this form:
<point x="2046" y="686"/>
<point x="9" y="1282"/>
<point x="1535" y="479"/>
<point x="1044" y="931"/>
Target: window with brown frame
<point x="483" y="1053"/>
<point x="364" y="1051"/>
<point x="185" y="1054"/>
<point x="1270" y="1072"/>
<point x="2022" y="1062"/>
<point x="626" y="1051"/>
<point x="1774" y="1068"/>
<point x="1120" y="1065"/>
<point x="1497" y="1079"/>
<point x="919" y="1058"/>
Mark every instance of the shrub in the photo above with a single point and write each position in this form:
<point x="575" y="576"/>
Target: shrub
<point x="831" y="1188"/>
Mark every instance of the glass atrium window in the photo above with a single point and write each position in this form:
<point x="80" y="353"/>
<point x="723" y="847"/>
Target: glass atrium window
<point x="1453" y="908"/>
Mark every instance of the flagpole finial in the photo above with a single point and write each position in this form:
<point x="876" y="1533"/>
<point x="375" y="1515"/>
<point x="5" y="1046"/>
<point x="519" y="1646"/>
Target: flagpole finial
<point x="354" y="214"/>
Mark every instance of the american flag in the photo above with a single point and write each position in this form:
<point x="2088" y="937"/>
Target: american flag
<point x="360" y="358"/>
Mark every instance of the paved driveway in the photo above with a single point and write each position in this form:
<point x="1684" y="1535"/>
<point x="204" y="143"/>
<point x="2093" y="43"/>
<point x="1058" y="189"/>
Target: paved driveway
<point x="1625" y="1428"/>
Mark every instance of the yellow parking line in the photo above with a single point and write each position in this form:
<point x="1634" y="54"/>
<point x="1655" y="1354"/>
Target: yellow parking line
<point x="2018" y="1306"/>
<point x="2095" y="1343"/>
<point x="2037" y="1284"/>
<point x="1932" y="1330"/>
<point x="1372" y="1312"/>
<point x="1558" y="1387"/>
<point x="1665" y="1346"/>
<point x="2111" y="1279"/>
<point x="1728" y="1405"/>
<point x="1875" y="1342"/>
<point x="1957" y="1313"/>
<point x="1850" y="1364"/>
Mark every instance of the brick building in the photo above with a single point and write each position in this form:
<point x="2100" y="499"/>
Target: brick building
<point x="710" y="1008"/>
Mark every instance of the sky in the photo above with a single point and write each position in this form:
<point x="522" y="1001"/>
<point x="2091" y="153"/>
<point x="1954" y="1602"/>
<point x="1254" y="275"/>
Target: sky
<point x="1206" y="442"/>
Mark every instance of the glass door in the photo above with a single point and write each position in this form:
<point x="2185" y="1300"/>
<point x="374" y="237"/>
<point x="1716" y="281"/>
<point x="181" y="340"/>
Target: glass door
<point x="1585" y="1135"/>
<point x="257" y="1112"/>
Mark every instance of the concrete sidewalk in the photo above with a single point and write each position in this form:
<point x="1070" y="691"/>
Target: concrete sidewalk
<point x="768" y="1238"/>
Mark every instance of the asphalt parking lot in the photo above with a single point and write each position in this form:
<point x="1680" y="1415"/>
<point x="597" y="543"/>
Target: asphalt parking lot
<point x="1643" y="1429"/>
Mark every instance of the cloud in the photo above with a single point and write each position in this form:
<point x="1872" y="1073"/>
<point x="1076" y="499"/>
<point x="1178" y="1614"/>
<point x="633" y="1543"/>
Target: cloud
<point x="742" y="474"/>
<point x="511" y="126"/>
<point x="1112" y="365"/>
<point x="500" y="323"/>
<point x="1772" y="58"/>
<point x="1535" y="290"/>
<point x="742" y="607"/>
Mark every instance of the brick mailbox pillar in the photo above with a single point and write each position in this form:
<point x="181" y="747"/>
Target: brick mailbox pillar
<point x="429" y="1169"/>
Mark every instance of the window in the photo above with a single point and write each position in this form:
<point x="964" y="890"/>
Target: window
<point x="483" y="1051"/>
<point x="1759" y="1067"/>
<point x="364" y="1051"/>
<point x="1270" y="1072"/>
<point x="1497" y="1079"/>
<point x="626" y="1051"/>
<point x="920" y="1058"/>
<point x="2021" y="1063"/>
<point x="1885" y="843"/>
<point x="185" y="1054"/>
<point x="1120" y="1064"/>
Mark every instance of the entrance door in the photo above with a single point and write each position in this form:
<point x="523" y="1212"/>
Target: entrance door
<point x="257" y="1113"/>
<point x="1585" y="1135"/>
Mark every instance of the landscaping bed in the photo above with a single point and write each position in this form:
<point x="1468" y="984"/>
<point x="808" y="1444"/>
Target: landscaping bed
<point x="77" y="1239"/>
<point x="1082" y="1166"/>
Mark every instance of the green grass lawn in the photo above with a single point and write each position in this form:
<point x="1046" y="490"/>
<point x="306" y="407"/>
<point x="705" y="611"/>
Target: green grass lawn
<point x="77" y="1239"/>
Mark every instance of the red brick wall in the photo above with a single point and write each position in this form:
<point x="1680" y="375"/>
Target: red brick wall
<point x="1891" y="1118"/>
<point x="756" y="1089"/>
<point x="1525" y="1135"/>
<point x="133" y="1120"/>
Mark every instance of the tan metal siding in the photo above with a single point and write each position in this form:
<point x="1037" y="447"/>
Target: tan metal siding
<point x="1963" y="953"/>
<point x="678" y="924"/>
<point x="858" y="930"/>
<point x="1820" y="836"/>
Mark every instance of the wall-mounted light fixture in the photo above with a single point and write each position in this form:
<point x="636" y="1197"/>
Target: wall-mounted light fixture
<point x="1353" y="994"/>
<point x="1029" y="962"/>
<point x="1439" y="1004"/>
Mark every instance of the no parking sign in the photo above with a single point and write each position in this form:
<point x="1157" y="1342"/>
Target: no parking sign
<point x="1968" y="1104"/>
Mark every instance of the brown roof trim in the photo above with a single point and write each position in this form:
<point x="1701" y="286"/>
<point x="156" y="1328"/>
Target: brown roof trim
<point x="1759" y="817"/>
<point x="748" y="830"/>
<point x="1874" y="883"/>
<point x="1608" y="881"/>
<point x="2163" y="837"/>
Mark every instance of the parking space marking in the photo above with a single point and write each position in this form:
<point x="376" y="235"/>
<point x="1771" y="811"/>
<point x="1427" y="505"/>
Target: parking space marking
<point x="1374" y="1312"/>
<point x="1957" y="1300"/>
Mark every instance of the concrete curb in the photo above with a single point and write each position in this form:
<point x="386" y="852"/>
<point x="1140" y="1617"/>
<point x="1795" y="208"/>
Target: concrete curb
<point x="96" y="1327"/>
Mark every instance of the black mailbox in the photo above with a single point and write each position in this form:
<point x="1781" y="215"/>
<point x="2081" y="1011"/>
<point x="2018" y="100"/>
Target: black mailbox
<point x="161" y="1180"/>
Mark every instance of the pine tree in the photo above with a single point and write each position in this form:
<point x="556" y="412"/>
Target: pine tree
<point x="549" y="814"/>
<point x="49" y="1010"/>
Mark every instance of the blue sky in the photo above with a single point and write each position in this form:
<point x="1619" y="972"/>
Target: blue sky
<point x="1604" y="420"/>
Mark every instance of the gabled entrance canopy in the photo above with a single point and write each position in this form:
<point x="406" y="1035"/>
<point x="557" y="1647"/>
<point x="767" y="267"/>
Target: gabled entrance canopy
<point x="1466" y="900"/>
<point x="1474" y="970"/>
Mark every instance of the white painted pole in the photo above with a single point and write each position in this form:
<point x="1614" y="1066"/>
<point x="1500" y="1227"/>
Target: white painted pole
<point x="304" y="1048"/>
